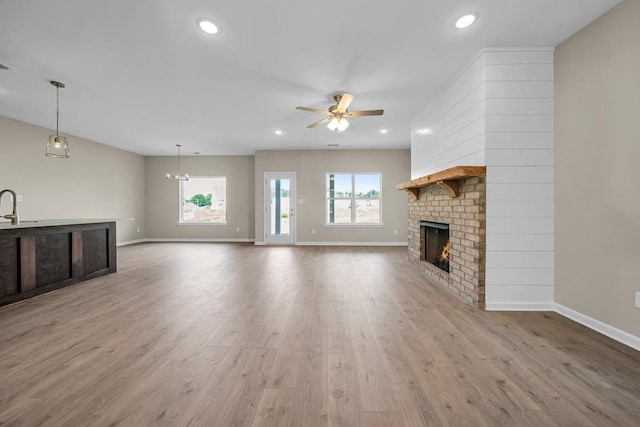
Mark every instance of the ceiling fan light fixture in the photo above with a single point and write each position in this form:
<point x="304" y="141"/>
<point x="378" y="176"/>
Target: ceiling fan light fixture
<point x="338" y="124"/>
<point x="335" y="115"/>
<point x="343" y="124"/>
<point x="465" y="20"/>
<point x="207" y="26"/>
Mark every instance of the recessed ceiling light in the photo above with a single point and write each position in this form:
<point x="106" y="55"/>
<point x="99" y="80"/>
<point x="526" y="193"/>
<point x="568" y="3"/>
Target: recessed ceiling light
<point x="465" y="20"/>
<point x="208" y="26"/>
<point x="425" y="131"/>
<point x="277" y="132"/>
<point x="384" y="130"/>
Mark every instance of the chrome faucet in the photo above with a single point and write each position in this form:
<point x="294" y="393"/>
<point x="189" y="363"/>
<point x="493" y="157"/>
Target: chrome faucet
<point x="14" y="217"/>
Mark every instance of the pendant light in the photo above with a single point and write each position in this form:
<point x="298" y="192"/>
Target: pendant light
<point x="57" y="146"/>
<point x="178" y="177"/>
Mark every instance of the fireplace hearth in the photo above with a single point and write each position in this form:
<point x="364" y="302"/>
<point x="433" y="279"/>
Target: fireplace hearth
<point x="437" y="246"/>
<point x="454" y="217"/>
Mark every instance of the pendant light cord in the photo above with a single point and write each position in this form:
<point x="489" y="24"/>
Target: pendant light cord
<point x="179" y="161"/>
<point x="57" y="107"/>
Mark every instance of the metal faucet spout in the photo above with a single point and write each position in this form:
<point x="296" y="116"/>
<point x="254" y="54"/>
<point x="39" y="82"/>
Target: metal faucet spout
<point x="14" y="217"/>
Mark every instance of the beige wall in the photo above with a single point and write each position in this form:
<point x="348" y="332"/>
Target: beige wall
<point x="96" y="182"/>
<point x="597" y="187"/>
<point x="163" y="199"/>
<point x="100" y="181"/>
<point x="311" y="168"/>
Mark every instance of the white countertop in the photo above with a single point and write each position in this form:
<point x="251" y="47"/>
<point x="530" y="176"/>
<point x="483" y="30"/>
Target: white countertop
<point x="6" y="224"/>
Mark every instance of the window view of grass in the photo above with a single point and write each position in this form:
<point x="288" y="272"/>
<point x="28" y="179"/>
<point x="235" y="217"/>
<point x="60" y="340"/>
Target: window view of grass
<point x="353" y="198"/>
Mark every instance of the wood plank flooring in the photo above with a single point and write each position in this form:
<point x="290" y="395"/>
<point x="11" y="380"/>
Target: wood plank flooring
<point x="238" y="335"/>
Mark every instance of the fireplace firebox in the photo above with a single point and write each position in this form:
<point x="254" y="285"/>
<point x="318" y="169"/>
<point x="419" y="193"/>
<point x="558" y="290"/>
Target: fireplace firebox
<point x="437" y="245"/>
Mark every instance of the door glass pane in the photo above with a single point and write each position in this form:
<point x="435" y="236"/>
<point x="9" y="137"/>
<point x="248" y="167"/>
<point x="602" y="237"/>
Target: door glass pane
<point x="280" y="206"/>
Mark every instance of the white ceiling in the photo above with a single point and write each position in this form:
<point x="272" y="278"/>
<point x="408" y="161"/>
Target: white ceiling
<point x="141" y="76"/>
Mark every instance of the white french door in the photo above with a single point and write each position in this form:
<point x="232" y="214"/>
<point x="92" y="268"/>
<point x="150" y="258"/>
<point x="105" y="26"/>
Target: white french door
<point x="280" y="215"/>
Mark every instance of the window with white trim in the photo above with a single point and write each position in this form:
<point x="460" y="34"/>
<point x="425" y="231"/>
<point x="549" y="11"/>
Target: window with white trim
<point x="203" y="200"/>
<point x="354" y="198"/>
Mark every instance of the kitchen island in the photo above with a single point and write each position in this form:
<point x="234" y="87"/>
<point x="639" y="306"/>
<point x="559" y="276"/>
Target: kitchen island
<point x="41" y="256"/>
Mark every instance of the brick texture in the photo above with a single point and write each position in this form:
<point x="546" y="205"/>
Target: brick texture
<point x="465" y="215"/>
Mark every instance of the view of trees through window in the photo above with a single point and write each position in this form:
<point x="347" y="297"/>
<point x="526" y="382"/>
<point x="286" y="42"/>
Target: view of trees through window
<point x="353" y="198"/>
<point x="203" y="200"/>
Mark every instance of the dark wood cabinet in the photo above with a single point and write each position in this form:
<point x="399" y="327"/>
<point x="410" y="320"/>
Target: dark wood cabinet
<point x="9" y="266"/>
<point x="39" y="259"/>
<point x="53" y="258"/>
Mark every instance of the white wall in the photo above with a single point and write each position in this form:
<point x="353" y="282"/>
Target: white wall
<point x="454" y="125"/>
<point x="499" y="112"/>
<point x="519" y="159"/>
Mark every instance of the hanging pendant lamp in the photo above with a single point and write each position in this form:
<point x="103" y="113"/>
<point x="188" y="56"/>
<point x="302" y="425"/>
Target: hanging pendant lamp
<point x="178" y="177"/>
<point x="57" y="146"/>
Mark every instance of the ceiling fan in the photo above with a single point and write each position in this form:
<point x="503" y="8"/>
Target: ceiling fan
<point x="337" y="114"/>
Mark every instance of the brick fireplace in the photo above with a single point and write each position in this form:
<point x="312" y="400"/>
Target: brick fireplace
<point x="458" y="201"/>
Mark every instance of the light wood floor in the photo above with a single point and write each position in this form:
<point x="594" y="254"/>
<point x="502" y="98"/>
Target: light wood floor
<point x="232" y="334"/>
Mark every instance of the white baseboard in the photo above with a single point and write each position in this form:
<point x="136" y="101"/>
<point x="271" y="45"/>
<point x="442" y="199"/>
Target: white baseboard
<point x="195" y="240"/>
<point x="351" y="243"/>
<point x="520" y="306"/>
<point x="598" y="326"/>
<point x="130" y="242"/>
<point x="255" y="242"/>
<point x="591" y="323"/>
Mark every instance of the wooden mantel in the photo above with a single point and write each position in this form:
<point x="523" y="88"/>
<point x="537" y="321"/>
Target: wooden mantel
<point x="447" y="179"/>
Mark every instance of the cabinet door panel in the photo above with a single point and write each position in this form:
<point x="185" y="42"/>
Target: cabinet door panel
<point x="9" y="267"/>
<point x="53" y="258"/>
<point x="95" y="250"/>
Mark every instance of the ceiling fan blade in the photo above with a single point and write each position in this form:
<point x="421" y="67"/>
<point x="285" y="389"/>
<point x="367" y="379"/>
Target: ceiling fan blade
<point x="364" y="113"/>
<point x="345" y="101"/>
<point x="313" y="110"/>
<point x="319" y="122"/>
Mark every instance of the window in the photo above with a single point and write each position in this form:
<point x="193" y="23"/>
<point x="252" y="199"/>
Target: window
<point x="353" y="198"/>
<point x="203" y="200"/>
